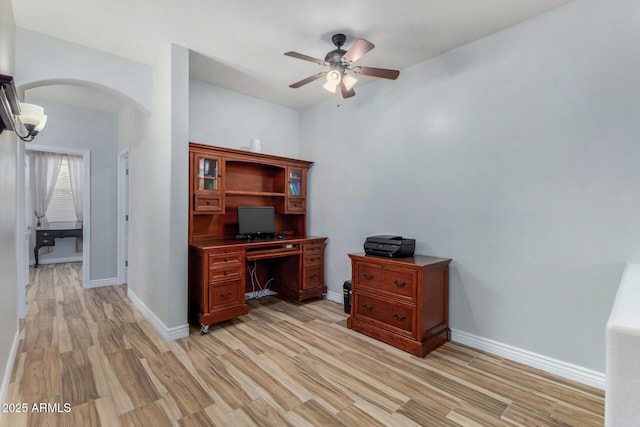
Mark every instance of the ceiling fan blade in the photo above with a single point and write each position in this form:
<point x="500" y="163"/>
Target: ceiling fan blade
<point x="346" y="93"/>
<point x="308" y="80"/>
<point x="383" y="73"/>
<point x="306" y="58"/>
<point x="357" y="51"/>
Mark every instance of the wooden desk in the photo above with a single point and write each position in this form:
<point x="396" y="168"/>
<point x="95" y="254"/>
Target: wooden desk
<point x="219" y="274"/>
<point x="48" y="236"/>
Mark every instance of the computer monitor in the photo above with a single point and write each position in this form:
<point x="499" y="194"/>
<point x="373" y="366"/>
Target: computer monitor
<point x="257" y="221"/>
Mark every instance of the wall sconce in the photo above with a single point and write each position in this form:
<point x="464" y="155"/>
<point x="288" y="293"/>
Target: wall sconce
<point x="26" y="120"/>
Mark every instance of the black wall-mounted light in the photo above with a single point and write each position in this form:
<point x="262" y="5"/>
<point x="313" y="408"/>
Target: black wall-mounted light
<point x="26" y="120"/>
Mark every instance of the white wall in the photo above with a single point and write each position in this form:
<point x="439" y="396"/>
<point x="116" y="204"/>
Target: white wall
<point x="229" y="119"/>
<point x="517" y="156"/>
<point x="42" y="59"/>
<point x="97" y="131"/>
<point x="8" y="153"/>
<point x="158" y="179"/>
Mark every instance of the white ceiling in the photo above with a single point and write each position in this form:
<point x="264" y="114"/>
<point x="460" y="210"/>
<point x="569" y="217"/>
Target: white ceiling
<point x="239" y="45"/>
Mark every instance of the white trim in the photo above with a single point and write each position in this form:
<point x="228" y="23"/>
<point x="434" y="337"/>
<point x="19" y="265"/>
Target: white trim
<point x="335" y="297"/>
<point x="22" y="258"/>
<point x="548" y="364"/>
<point x="169" y="334"/>
<point x="60" y="260"/>
<point x="86" y="208"/>
<point x="9" y="368"/>
<point x="98" y="283"/>
<point x="122" y="205"/>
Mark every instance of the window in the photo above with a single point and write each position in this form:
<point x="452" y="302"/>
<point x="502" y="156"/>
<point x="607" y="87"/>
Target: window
<point x="61" y="208"/>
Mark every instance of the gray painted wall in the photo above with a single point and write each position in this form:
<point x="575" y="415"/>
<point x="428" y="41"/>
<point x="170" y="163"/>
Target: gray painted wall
<point x="517" y="156"/>
<point x="225" y="118"/>
<point x="45" y="60"/>
<point x="8" y="149"/>
<point x="84" y="129"/>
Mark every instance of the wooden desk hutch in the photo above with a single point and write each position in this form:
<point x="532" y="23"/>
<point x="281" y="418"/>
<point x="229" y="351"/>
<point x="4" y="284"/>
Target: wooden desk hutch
<point x="221" y="179"/>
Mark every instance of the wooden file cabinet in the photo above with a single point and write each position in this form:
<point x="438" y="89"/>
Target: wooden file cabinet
<point x="401" y="301"/>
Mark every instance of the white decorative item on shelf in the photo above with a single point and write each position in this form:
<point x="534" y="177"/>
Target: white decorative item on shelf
<point x="256" y="145"/>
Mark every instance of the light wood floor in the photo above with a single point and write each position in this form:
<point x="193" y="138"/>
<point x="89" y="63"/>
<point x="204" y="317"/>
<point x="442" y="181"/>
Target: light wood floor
<point x="283" y="364"/>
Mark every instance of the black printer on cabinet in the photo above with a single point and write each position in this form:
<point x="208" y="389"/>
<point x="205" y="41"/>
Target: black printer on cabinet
<point x="389" y="246"/>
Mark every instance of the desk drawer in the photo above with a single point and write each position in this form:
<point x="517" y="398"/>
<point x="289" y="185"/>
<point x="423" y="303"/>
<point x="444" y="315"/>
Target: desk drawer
<point x="46" y="241"/>
<point x="313" y="259"/>
<point x="225" y="294"/>
<point x="312" y="276"/>
<point x="313" y="253"/>
<point x="225" y="273"/>
<point x="225" y="259"/>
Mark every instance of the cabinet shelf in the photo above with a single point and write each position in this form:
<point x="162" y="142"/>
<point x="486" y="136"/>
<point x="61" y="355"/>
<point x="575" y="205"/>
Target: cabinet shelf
<point x="253" y="193"/>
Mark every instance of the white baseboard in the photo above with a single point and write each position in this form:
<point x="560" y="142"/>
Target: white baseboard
<point x="557" y="367"/>
<point x="9" y="368"/>
<point x="168" y="334"/>
<point x="59" y="260"/>
<point x="98" y="283"/>
<point x="335" y="297"/>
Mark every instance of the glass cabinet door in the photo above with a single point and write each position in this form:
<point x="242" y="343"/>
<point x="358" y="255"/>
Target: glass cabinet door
<point x="207" y="174"/>
<point x="296" y="182"/>
<point x="296" y="202"/>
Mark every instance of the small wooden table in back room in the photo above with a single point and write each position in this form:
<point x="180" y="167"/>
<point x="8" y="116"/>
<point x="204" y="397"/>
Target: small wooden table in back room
<point x="403" y="302"/>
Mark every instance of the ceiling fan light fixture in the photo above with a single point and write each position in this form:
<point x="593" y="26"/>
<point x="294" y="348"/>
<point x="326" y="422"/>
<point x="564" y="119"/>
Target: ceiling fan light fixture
<point x="331" y="86"/>
<point x="333" y="80"/>
<point x="349" y="81"/>
<point x="333" y="77"/>
<point x="339" y="62"/>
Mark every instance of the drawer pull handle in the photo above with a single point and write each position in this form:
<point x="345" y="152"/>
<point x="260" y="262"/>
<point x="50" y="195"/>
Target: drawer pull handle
<point x="227" y="295"/>
<point x="399" y="284"/>
<point x="226" y="259"/>
<point x="395" y="316"/>
<point x="369" y="307"/>
<point x="367" y="276"/>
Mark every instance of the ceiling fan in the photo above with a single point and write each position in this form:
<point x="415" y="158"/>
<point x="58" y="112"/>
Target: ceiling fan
<point x="341" y="68"/>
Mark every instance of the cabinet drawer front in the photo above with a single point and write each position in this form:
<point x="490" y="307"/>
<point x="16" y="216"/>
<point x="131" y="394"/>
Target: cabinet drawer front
<point x="207" y="203"/>
<point x="312" y="276"/>
<point x="296" y="205"/>
<point x="393" y="316"/>
<point x="224" y="259"/>
<point x="313" y="259"/>
<point x="225" y="273"/>
<point x="394" y="282"/>
<point x="225" y="294"/>
<point x="313" y="248"/>
<point x="46" y="241"/>
<point x="313" y="253"/>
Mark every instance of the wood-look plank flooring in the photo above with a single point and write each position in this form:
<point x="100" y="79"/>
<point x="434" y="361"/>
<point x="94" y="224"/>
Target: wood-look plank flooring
<point x="86" y="357"/>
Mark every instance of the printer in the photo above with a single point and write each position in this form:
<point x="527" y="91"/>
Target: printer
<point x="389" y="246"/>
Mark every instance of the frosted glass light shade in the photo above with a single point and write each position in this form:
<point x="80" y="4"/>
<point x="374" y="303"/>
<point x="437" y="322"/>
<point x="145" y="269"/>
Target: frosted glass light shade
<point x="349" y="81"/>
<point x="32" y="117"/>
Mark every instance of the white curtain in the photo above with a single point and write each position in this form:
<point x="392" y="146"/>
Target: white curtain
<point x="76" y="177"/>
<point x="47" y="168"/>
